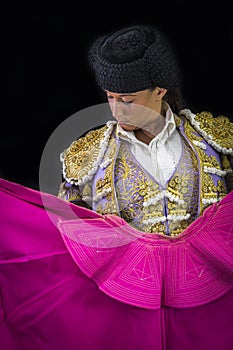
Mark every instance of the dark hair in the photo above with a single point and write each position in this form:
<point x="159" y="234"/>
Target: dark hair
<point x="174" y="98"/>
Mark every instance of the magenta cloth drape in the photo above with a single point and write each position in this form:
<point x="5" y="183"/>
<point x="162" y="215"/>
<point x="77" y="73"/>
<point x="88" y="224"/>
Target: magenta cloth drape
<point x="73" y="279"/>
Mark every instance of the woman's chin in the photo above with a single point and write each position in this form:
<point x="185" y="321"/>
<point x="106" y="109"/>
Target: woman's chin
<point x="127" y="127"/>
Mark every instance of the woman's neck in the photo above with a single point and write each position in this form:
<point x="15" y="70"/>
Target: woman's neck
<point x="146" y="134"/>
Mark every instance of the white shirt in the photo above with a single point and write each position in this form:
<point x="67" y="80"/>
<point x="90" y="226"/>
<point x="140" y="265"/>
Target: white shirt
<point x="161" y="157"/>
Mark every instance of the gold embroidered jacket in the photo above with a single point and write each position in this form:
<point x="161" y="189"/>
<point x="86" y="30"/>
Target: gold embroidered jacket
<point x="91" y="170"/>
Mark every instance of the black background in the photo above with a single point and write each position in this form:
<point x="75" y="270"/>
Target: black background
<point x="47" y="78"/>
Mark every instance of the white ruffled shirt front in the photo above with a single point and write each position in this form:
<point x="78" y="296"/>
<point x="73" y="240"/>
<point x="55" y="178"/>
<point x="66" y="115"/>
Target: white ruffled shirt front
<point x="161" y="157"/>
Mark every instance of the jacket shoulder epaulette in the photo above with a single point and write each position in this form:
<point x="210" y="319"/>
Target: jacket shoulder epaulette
<point x="217" y="131"/>
<point x="81" y="159"/>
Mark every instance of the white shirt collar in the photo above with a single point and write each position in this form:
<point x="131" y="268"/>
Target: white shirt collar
<point x="164" y="134"/>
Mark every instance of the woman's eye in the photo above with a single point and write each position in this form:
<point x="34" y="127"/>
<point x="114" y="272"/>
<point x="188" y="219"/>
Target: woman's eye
<point x="111" y="98"/>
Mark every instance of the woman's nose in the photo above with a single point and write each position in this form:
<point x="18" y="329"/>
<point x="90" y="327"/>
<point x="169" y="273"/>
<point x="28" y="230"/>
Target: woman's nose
<point x="116" y="108"/>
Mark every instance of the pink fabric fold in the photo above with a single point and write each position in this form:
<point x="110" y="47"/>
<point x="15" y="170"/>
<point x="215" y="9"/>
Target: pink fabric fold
<point x="150" y="270"/>
<point x="73" y="279"/>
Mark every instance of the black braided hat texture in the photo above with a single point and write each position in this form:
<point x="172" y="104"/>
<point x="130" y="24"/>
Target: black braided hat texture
<point x="133" y="59"/>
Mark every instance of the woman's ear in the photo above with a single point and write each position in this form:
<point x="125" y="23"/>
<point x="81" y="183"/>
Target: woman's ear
<point x="160" y="93"/>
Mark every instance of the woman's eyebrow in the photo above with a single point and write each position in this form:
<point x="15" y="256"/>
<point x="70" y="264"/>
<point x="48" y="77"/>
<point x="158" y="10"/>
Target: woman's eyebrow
<point x="127" y="95"/>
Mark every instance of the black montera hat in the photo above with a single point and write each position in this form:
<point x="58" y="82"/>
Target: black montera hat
<point x="133" y="59"/>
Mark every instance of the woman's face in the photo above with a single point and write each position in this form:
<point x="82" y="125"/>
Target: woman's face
<point x="136" y="110"/>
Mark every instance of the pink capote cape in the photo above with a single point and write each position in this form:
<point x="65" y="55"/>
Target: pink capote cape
<point x="73" y="279"/>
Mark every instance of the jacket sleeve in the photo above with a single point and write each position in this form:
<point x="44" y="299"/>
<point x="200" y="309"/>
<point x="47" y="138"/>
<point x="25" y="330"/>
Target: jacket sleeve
<point x="72" y="193"/>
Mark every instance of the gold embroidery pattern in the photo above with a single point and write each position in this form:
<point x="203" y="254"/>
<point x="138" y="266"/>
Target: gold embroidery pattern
<point x="69" y="193"/>
<point x="134" y="189"/>
<point x="219" y="128"/>
<point x="127" y="172"/>
<point x="82" y="154"/>
<point x="178" y="120"/>
<point x="153" y="212"/>
<point x="191" y="132"/>
<point x="225" y="162"/>
<point x="87" y="190"/>
<point x="209" y="161"/>
<point x="229" y="177"/>
<point x="212" y="191"/>
<point x="105" y="186"/>
<point x="104" y="183"/>
<point x="209" y="192"/>
<point x="184" y="184"/>
<point x="106" y="208"/>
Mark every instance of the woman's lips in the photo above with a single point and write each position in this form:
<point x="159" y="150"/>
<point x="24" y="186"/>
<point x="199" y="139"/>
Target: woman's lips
<point x="124" y="123"/>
